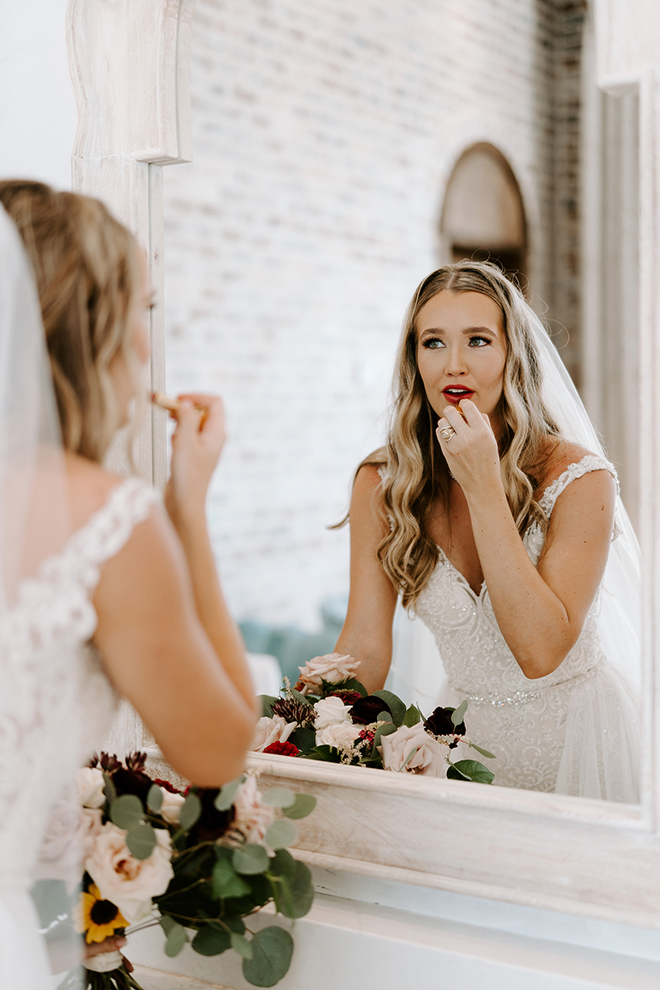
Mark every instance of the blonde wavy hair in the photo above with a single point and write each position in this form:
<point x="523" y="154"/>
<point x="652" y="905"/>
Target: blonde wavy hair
<point x="415" y="470"/>
<point x="85" y="267"/>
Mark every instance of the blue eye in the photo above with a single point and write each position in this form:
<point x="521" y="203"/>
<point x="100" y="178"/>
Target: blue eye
<point x="433" y="343"/>
<point x="479" y="341"/>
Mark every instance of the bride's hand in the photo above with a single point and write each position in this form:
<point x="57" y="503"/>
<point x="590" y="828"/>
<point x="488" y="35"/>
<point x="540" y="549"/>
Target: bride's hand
<point x="471" y="451"/>
<point x="196" y="446"/>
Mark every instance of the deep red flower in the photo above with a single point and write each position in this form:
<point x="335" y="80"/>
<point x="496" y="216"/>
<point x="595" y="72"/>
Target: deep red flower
<point x="348" y="697"/>
<point x="166" y="785"/>
<point x="132" y="782"/>
<point x="212" y="823"/>
<point x="282" y="749"/>
<point x="366" y="710"/>
<point x="368" y="736"/>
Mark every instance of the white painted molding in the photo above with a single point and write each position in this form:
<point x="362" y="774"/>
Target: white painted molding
<point x="130" y="65"/>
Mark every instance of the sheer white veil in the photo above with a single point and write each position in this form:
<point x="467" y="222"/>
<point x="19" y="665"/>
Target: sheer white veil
<point x="416" y="672"/>
<point x="39" y="745"/>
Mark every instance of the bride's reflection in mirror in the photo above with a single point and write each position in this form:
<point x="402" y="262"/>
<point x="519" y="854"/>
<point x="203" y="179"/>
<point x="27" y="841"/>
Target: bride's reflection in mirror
<point x="493" y="513"/>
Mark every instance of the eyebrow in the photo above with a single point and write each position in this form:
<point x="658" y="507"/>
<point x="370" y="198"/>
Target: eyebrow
<point x="468" y="330"/>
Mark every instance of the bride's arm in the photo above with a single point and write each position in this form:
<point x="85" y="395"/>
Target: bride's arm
<point x="166" y="635"/>
<point x="367" y="631"/>
<point x="540" y="610"/>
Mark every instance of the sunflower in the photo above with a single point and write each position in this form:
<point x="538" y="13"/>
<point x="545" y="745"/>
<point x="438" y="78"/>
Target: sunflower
<point x="97" y="918"/>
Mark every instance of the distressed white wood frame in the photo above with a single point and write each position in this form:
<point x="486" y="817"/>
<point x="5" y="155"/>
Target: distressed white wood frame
<point x="130" y="65"/>
<point x="586" y="857"/>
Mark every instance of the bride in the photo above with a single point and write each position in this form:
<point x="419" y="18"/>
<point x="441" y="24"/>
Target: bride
<point x="492" y="513"/>
<point x="101" y="592"/>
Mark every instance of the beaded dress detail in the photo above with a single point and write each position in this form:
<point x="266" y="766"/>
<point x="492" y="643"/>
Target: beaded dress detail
<point x="56" y="707"/>
<point x="575" y="731"/>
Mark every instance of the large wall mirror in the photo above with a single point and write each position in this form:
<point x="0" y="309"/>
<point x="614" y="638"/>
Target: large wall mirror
<point x="315" y="203"/>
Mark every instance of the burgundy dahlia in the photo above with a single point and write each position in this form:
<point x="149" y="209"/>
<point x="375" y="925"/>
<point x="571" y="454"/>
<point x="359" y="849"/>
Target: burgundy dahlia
<point x="132" y="782"/>
<point x="292" y="710"/>
<point x="440" y="723"/>
<point x="348" y="697"/>
<point x="282" y="749"/>
<point x="212" y="823"/>
<point x="366" y="710"/>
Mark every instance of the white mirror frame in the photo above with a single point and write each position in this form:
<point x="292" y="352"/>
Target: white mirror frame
<point x="130" y="62"/>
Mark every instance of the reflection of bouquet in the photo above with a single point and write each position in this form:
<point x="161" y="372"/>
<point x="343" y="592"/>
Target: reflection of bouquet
<point x="196" y="863"/>
<point x="331" y="717"/>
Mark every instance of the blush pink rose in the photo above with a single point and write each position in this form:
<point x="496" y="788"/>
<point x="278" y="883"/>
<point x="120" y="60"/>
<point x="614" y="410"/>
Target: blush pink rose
<point x="128" y="882"/>
<point x="270" y="730"/>
<point x="332" y="668"/>
<point x="253" y="817"/>
<point x="396" y="748"/>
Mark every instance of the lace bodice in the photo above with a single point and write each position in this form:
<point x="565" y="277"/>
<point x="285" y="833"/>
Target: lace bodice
<point x="56" y="702"/>
<point x="508" y="713"/>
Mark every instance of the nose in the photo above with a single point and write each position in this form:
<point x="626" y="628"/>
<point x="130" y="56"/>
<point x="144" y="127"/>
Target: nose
<point x="455" y="361"/>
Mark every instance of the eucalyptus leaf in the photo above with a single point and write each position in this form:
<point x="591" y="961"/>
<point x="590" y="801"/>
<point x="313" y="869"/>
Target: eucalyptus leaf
<point x="226" y="882"/>
<point x="395" y="705"/>
<point x="176" y="939"/>
<point x="167" y="923"/>
<point x="281" y="834"/>
<point x="191" y="809"/>
<point x="302" y="892"/>
<point x="283" y="865"/>
<point x="155" y="798"/>
<point x="126" y="811"/>
<point x="225" y="798"/>
<point x="266" y="701"/>
<point x="250" y="859"/>
<point x="458" y="714"/>
<point x="109" y="789"/>
<point x="272" y="949"/>
<point x="484" y="752"/>
<point x="383" y="730"/>
<point x="279" y="797"/>
<point x="300" y="697"/>
<point x="303" y="805"/>
<point x="454" y="774"/>
<point x="412" y="716"/>
<point x="384" y="717"/>
<point x="141" y="840"/>
<point x="211" y="941"/>
<point x="474" y="771"/>
<point x="241" y="945"/>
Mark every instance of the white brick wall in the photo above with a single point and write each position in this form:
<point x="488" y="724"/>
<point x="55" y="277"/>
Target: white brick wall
<point x="324" y="132"/>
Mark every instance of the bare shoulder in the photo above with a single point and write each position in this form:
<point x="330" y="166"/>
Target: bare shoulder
<point x="89" y="486"/>
<point x="557" y="458"/>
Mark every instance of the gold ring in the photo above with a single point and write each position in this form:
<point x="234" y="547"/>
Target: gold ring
<point x="447" y="432"/>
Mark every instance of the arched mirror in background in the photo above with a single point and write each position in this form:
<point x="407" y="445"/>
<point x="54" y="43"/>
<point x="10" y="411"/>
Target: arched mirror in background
<point x="483" y="216"/>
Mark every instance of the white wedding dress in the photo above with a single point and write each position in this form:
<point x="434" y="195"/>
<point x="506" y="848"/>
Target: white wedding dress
<point x="56" y="707"/>
<point x="575" y="731"/>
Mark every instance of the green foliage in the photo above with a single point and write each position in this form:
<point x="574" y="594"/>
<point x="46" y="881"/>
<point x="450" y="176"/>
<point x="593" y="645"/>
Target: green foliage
<point x="141" y="840"/>
<point x="250" y="859"/>
<point x="412" y="716"/>
<point x="191" y="809"/>
<point x="303" y="738"/>
<point x="301" y="890"/>
<point x="211" y="941"/>
<point x="241" y="945"/>
<point x="155" y="798"/>
<point x="266" y="701"/>
<point x="303" y="805"/>
<point x="470" y="770"/>
<point x="175" y="936"/>
<point x="109" y="789"/>
<point x="280" y="834"/>
<point x="383" y="730"/>
<point x="272" y="949"/>
<point x="350" y="685"/>
<point x="484" y="752"/>
<point x="395" y="705"/>
<point x="225" y="798"/>
<point x="279" y="797"/>
<point x="458" y="714"/>
<point x="126" y="811"/>
<point x="226" y="882"/>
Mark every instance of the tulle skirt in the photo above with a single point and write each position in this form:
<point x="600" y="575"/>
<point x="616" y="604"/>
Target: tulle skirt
<point x="24" y="962"/>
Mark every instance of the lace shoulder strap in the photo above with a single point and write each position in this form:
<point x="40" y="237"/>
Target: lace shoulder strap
<point x="590" y="462"/>
<point x="106" y="532"/>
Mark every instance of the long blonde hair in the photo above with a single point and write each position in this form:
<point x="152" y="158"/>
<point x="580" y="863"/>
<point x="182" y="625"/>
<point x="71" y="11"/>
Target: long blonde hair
<point x="84" y="264"/>
<point x="415" y="470"/>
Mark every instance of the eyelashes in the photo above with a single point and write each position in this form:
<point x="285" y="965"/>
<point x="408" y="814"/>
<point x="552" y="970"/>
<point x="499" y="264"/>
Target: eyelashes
<point x="436" y="344"/>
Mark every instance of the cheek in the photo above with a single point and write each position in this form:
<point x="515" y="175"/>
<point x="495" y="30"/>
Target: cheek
<point x="141" y="342"/>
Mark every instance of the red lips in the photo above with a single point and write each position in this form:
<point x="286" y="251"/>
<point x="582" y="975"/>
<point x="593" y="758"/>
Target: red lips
<point x="456" y="393"/>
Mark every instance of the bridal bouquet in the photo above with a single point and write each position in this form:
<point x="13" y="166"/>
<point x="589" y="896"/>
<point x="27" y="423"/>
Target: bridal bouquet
<point x="197" y="863"/>
<point x="330" y="716"/>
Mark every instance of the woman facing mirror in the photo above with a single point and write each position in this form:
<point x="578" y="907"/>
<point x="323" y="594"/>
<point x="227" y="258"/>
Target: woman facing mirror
<point x="492" y="512"/>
